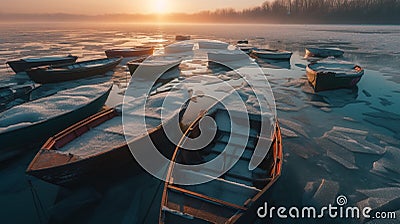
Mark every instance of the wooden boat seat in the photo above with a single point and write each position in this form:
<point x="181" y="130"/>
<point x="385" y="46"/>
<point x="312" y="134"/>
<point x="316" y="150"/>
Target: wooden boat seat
<point x="221" y="188"/>
<point x="198" y="206"/>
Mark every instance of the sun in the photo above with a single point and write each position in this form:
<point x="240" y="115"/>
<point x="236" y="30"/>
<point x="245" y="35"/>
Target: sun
<point x="159" y="6"/>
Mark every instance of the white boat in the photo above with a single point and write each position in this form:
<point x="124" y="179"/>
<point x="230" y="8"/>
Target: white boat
<point x="212" y="45"/>
<point x="272" y="54"/>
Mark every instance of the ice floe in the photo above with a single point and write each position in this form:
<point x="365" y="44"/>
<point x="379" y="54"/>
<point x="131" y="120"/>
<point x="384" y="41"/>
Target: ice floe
<point x="379" y="198"/>
<point x="388" y="165"/>
<point x="321" y="192"/>
<point x="293" y="126"/>
<point x="338" y="154"/>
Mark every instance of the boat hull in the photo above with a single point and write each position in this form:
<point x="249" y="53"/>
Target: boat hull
<point x="323" y="53"/>
<point x="87" y="170"/>
<point x="35" y="134"/>
<point x="328" y="81"/>
<point x="273" y="55"/>
<point x="22" y="66"/>
<point x="117" y="53"/>
<point x="182" y="37"/>
<point x="44" y="75"/>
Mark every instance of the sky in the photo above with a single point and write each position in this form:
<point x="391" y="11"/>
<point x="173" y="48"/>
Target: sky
<point x="98" y="7"/>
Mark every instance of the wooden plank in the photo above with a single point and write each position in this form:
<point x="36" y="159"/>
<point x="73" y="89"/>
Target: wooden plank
<point x="204" y="197"/>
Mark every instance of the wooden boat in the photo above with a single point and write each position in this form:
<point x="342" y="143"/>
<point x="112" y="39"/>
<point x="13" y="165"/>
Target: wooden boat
<point x="27" y="63"/>
<point x="178" y="48"/>
<point x="35" y="121"/>
<point x="101" y="144"/>
<point x="242" y="42"/>
<point x="246" y="48"/>
<point x="182" y="37"/>
<point x="156" y="65"/>
<point x="272" y="54"/>
<point x="323" y="52"/>
<point x="74" y="71"/>
<point x="233" y="197"/>
<point x="92" y="148"/>
<point x="212" y="45"/>
<point x="129" y="52"/>
<point x="333" y="75"/>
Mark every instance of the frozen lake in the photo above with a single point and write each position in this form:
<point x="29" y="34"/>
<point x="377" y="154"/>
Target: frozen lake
<point x="343" y="142"/>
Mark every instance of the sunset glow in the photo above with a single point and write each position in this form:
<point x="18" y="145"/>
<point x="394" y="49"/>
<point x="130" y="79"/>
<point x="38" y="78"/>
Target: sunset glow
<point x="99" y="7"/>
<point x="159" y="6"/>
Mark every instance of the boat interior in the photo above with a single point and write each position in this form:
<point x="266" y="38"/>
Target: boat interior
<point x="343" y="68"/>
<point x="229" y="194"/>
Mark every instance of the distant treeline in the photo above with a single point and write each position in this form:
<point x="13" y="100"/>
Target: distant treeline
<point x="278" y="11"/>
<point x="315" y="11"/>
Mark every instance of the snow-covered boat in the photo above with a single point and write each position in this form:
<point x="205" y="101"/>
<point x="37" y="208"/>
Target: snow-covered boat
<point x="96" y="147"/>
<point x="129" y="52"/>
<point x="74" y="71"/>
<point x="246" y="48"/>
<point x="323" y="52"/>
<point x="37" y="120"/>
<point x="333" y="75"/>
<point x="28" y="63"/>
<point x="272" y="54"/>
